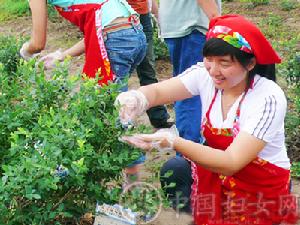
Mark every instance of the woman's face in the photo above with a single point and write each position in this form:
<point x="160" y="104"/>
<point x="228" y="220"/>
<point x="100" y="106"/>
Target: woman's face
<point x="226" y="72"/>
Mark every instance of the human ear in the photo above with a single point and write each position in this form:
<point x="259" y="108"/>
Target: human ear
<point x="252" y="64"/>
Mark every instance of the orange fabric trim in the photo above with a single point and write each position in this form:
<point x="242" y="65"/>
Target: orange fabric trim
<point x="140" y="6"/>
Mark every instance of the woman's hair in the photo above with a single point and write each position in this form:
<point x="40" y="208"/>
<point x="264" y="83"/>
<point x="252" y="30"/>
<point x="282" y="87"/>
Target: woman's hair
<point x="218" y="47"/>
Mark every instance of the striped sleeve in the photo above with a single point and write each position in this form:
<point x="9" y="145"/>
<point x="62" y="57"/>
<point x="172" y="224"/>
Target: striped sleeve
<point x="266" y="118"/>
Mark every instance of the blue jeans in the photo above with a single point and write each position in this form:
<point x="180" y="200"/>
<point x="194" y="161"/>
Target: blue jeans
<point x="185" y="52"/>
<point x="126" y="49"/>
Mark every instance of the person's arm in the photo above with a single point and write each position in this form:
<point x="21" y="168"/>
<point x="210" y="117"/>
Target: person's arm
<point x="51" y="58"/>
<point x="167" y="91"/>
<point x="39" y="26"/>
<point x="134" y="103"/>
<point x="264" y="119"/>
<point x="210" y="8"/>
<point x="154" y="9"/>
<point x="242" y="151"/>
<point x="75" y="50"/>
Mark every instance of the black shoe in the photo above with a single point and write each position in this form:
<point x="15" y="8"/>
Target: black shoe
<point x="165" y="124"/>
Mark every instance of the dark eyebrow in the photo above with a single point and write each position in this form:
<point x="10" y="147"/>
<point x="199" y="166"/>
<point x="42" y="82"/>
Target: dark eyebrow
<point x="226" y="60"/>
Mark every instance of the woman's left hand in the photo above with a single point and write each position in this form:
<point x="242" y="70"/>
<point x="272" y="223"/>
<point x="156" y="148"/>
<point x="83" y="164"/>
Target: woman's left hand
<point x="162" y="139"/>
<point x="51" y="59"/>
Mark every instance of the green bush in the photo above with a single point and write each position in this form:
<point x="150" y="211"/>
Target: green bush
<point x="293" y="70"/>
<point x="288" y="5"/>
<point x="9" y="53"/>
<point x="296" y="169"/>
<point x="59" y="151"/>
<point x="160" y="47"/>
<point x="293" y="126"/>
<point x="271" y="24"/>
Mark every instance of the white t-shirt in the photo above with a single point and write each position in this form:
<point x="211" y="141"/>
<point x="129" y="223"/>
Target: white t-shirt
<point x="262" y="111"/>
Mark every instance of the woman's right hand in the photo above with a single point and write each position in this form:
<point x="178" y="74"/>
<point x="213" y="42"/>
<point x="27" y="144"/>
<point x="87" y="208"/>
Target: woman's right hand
<point x="132" y="104"/>
<point x="162" y="140"/>
<point x="25" y="54"/>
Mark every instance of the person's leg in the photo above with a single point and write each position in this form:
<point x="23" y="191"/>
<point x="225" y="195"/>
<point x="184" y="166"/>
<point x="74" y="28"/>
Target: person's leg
<point x="132" y="171"/>
<point x="158" y="115"/>
<point x="174" y="47"/>
<point x="126" y="49"/>
<point x="191" y="50"/>
<point x="182" y="177"/>
<point x="185" y="52"/>
<point x="146" y="69"/>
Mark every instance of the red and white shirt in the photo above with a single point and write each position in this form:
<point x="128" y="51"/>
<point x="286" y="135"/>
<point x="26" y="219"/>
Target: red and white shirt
<point x="262" y="112"/>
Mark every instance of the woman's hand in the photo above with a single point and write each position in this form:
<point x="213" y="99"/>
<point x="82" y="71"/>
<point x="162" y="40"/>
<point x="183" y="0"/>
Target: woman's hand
<point x="132" y="104"/>
<point x="161" y="140"/>
<point x="52" y="58"/>
<point x="25" y="54"/>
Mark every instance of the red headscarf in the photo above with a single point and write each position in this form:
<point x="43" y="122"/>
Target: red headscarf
<point x="244" y="35"/>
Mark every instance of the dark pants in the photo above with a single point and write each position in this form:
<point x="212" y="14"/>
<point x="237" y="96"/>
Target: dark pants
<point x="146" y="72"/>
<point x="182" y="177"/>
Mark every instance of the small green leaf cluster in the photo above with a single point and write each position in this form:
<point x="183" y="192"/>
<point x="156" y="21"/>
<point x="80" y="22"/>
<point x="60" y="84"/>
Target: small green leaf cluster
<point x="160" y="47"/>
<point x="288" y="5"/>
<point x="143" y="201"/>
<point x="295" y="170"/>
<point x="9" y="54"/>
<point x="293" y="70"/>
<point x="59" y="150"/>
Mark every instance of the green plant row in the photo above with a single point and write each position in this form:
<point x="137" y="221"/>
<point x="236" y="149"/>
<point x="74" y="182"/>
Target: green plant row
<point x="59" y="151"/>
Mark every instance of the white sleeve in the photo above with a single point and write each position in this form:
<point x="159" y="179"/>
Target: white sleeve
<point x="266" y="118"/>
<point x="195" y="79"/>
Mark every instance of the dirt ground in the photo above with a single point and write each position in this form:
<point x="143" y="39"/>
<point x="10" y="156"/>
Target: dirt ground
<point x="63" y="35"/>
